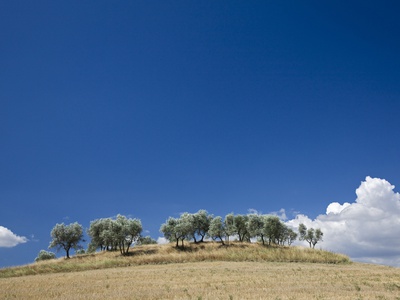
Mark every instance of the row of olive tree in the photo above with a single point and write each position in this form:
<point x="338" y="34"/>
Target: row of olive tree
<point x="106" y="234"/>
<point x="121" y="232"/>
<point x="197" y="226"/>
<point x="265" y="228"/>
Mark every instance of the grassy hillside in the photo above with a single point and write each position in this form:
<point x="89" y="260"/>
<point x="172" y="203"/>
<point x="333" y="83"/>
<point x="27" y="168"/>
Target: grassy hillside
<point x="207" y="271"/>
<point x="166" y="254"/>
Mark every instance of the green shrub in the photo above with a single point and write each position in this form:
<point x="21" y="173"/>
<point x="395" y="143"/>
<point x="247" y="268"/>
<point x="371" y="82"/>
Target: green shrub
<point x="45" y="255"/>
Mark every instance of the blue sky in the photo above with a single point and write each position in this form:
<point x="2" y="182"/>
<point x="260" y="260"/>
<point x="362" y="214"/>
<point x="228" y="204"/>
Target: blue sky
<point x="152" y="108"/>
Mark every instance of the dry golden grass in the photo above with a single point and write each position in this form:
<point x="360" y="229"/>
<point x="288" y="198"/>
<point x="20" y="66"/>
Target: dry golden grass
<point x="203" y="271"/>
<point x="164" y="254"/>
<point x="212" y="280"/>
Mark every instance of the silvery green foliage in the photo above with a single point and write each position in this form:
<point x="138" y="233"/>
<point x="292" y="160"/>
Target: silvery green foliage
<point x="201" y="225"/>
<point x="128" y="231"/>
<point x="169" y="230"/>
<point x="274" y="230"/>
<point x="290" y="235"/>
<point x="95" y="232"/>
<point x="229" y="224"/>
<point x="146" y="240"/>
<point x="66" y="237"/>
<point x="271" y="228"/>
<point x="317" y="237"/>
<point x="240" y="225"/>
<point x="177" y="229"/>
<point x="109" y="234"/>
<point x="188" y="226"/>
<point x="45" y="255"/>
<point x="256" y="226"/>
<point x="217" y="229"/>
<point x="311" y="235"/>
<point x="236" y="225"/>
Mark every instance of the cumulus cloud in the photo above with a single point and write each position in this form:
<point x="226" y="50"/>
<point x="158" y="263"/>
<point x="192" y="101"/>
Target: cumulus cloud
<point x="162" y="240"/>
<point x="8" y="239"/>
<point x="367" y="229"/>
<point x="336" y="208"/>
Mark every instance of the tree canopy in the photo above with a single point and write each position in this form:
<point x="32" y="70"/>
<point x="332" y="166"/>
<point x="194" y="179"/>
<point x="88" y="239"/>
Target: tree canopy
<point x="109" y="234"/>
<point x="45" y="255"/>
<point x="66" y="237"/>
<point x="197" y="226"/>
<point x="311" y="235"/>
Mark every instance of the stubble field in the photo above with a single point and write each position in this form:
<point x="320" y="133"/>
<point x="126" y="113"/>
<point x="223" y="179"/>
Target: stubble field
<point x="206" y="274"/>
<point x="212" y="280"/>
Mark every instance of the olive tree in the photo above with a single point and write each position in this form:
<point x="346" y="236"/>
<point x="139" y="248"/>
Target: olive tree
<point x="102" y="234"/>
<point x="256" y="226"/>
<point x="201" y="224"/>
<point x="217" y="229"/>
<point x="229" y="225"/>
<point x="95" y="231"/>
<point x="169" y="230"/>
<point x="127" y="231"/>
<point x="66" y="237"/>
<point x="273" y="230"/>
<point x="194" y="226"/>
<point x="317" y="237"/>
<point x="176" y="229"/>
<point x="236" y="225"/>
<point x="240" y="225"/>
<point x="289" y="235"/>
<point x="45" y="255"/>
<point x="187" y="227"/>
<point x="109" y="234"/>
<point x="310" y="235"/>
<point x="270" y="227"/>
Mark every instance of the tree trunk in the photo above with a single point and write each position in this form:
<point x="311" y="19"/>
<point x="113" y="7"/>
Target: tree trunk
<point x="128" y="246"/>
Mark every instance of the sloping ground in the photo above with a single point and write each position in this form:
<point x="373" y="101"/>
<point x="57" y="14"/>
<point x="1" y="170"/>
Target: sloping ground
<point x="166" y="254"/>
<point x="212" y="280"/>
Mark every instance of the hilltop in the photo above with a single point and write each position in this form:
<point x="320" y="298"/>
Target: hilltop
<point x="202" y="271"/>
<point x="167" y="254"/>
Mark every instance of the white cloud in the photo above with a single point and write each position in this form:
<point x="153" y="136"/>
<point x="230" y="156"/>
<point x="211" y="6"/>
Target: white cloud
<point x="367" y="229"/>
<point x="252" y="211"/>
<point x="162" y="240"/>
<point x="336" y="208"/>
<point x="8" y="239"/>
<point x="281" y="214"/>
